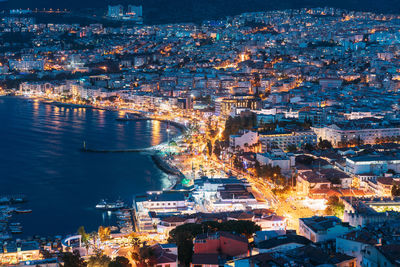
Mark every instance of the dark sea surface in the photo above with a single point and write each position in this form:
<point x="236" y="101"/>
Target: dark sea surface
<point x="40" y="157"/>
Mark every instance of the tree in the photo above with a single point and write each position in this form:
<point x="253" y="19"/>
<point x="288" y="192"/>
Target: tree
<point x="308" y="147"/>
<point x="99" y="260"/>
<point x="145" y="256"/>
<point x="396" y="190"/>
<point x="183" y="235"/>
<point x="46" y="254"/>
<point x="120" y="262"/>
<point x="324" y="144"/>
<point x="335" y="207"/>
<point x="247" y="228"/>
<point x="257" y="167"/>
<point x="72" y="259"/>
<point x="84" y="236"/>
<point x="209" y="147"/>
<point x="291" y="148"/>
<point x="104" y="233"/>
<point x="217" y="148"/>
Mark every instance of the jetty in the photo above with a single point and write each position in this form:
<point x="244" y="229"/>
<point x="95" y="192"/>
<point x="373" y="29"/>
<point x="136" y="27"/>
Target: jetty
<point x="165" y="166"/>
<point x="118" y="150"/>
<point x="128" y="150"/>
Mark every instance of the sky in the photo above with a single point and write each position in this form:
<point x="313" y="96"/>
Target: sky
<point x="198" y="10"/>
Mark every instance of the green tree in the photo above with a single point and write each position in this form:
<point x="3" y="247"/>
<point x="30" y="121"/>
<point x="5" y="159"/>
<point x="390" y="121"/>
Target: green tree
<point x="247" y="228"/>
<point x="309" y="147"/>
<point x="324" y="144"/>
<point x="217" y="148"/>
<point x="291" y="148"/>
<point x="98" y="260"/>
<point x="396" y="190"/>
<point x="104" y="233"/>
<point x="335" y="207"/>
<point x="120" y="262"/>
<point x="183" y="235"/>
<point x="72" y="259"/>
<point x="84" y="236"/>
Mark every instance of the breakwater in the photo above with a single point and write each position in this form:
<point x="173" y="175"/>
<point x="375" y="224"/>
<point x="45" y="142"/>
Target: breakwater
<point x="165" y="166"/>
<point x="137" y="150"/>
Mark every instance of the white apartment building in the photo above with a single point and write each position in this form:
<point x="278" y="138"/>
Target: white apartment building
<point x="337" y="135"/>
<point x="372" y="164"/>
<point x="321" y="229"/>
<point x="283" y="139"/>
<point x="250" y="138"/>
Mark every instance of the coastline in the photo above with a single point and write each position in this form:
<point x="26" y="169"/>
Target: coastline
<point x="156" y="158"/>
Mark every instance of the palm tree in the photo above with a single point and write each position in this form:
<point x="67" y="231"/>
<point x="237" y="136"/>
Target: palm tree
<point x="85" y="237"/>
<point x="237" y="148"/>
<point x="103" y="233"/>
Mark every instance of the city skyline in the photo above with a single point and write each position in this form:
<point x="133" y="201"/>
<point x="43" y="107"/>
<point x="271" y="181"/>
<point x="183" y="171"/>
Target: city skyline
<point x="264" y="138"/>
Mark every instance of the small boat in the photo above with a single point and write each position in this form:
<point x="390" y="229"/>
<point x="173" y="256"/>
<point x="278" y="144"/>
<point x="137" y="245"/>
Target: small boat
<point x="23" y="211"/>
<point x="4" y="200"/>
<point x="16" y="230"/>
<point x="104" y="205"/>
<point x="18" y="200"/>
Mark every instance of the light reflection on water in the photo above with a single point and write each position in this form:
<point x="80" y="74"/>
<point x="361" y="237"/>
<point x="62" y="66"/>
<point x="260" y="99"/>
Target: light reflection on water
<point x="40" y="157"/>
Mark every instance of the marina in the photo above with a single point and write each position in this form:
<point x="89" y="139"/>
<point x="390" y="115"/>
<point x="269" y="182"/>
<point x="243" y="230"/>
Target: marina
<point x="104" y="205"/>
<point x="10" y="206"/>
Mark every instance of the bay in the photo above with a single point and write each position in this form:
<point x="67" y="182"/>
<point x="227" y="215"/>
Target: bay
<point x="40" y="157"/>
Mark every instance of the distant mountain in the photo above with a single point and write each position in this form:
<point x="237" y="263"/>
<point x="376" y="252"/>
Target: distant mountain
<point x="166" y="11"/>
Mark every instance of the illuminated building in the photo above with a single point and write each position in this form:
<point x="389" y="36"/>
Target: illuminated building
<point x="283" y="139"/>
<point x="115" y="11"/>
<point x="225" y="105"/>
<point x="321" y="229"/>
<point x="368" y="133"/>
<point x="14" y="253"/>
<point x="359" y="212"/>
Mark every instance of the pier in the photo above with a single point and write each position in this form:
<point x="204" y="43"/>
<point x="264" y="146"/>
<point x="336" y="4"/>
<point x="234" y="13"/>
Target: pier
<point x="128" y="150"/>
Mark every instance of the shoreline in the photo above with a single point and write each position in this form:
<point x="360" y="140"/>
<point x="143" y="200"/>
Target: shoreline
<point x="159" y="161"/>
<point x="171" y="183"/>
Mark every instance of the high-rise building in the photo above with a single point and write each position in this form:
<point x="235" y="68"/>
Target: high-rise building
<point x="115" y="11"/>
<point x="135" y="11"/>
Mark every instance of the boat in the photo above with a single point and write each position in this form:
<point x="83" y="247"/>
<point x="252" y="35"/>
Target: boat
<point x="16" y="200"/>
<point x="12" y="199"/>
<point x="23" y="211"/>
<point x="4" y="200"/>
<point x="16" y="229"/>
<point x="104" y="205"/>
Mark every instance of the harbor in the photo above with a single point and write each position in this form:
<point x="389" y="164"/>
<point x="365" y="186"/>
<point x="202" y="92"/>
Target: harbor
<point x="121" y="211"/>
<point x="11" y="206"/>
